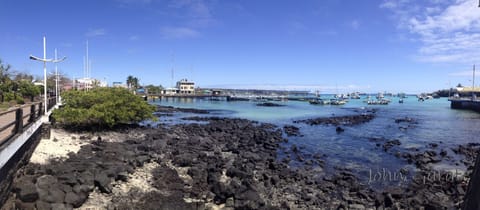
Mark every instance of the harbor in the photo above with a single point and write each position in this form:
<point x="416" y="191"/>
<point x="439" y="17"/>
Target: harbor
<point x="225" y="105"/>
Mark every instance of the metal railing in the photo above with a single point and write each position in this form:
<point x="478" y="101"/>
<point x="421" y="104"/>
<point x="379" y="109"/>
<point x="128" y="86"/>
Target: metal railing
<point x="13" y="122"/>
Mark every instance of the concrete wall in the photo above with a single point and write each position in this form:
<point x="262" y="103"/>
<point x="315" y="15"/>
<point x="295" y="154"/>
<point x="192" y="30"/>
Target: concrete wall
<point x="470" y="105"/>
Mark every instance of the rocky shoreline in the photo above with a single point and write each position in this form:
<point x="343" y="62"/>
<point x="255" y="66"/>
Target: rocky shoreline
<point x="226" y="163"/>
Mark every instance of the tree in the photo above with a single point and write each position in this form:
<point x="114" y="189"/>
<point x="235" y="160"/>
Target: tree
<point x="133" y="82"/>
<point x="129" y="81"/>
<point x="102" y="107"/>
<point x="4" y="72"/>
<point x="28" y="89"/>
<point x="459" y="85"/>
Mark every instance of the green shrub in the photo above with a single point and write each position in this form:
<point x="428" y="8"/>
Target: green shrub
<point x="8" y="96"/>
<point x="102" y="107"/>
<point x="20" y="100"/>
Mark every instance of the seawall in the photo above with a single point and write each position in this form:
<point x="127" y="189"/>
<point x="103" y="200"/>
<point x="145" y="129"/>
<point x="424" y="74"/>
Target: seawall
<point x="465" y="103"/>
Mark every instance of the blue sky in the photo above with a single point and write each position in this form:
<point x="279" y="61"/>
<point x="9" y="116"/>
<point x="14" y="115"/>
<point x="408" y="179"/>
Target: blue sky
<point x="328" y="45"/>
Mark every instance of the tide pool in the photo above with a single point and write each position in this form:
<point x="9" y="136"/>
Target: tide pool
<point x="433" y="122"/>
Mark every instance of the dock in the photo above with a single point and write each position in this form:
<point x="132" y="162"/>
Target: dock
<point x="468" y="103"/>
<point x="161" y="97"/>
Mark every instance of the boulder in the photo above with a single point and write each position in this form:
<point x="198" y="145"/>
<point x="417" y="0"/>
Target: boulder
<point x="102" y="181"/>
<point x="75" y="199"/>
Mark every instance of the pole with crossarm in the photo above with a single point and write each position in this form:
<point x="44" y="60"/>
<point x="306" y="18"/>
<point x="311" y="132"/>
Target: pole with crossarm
<point x="45" y="60"/>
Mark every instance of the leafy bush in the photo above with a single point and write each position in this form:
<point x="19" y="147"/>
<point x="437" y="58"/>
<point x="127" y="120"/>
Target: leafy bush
<point x="102" y="107"/>
<point x="20" y="100"/>
<point x="8" y="96"/>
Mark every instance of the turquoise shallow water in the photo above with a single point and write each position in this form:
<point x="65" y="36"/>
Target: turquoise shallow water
<point x="436" y="123"/>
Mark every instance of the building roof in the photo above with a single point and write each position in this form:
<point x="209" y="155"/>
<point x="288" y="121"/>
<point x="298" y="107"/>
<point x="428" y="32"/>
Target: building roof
<point x="468" y="89"/>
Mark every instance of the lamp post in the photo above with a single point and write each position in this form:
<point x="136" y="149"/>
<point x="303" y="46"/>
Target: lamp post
<point x="45" y="60"/>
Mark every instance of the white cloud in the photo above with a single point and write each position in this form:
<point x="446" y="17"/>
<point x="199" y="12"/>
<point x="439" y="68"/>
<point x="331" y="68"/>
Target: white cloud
<point x="355" y="24"/>
<point x="96" y="32"/>
<point x="178" y="32"/>
<point x="389" y="4"/>
<point x="134" y="38"/>
<point x="448" y="31"/>
<point x="196" y="13"/>
<point x="191" y="16"/>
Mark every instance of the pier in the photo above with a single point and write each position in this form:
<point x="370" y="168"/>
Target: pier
<point x="470" y="103"/>
<point x="161" y="97"/>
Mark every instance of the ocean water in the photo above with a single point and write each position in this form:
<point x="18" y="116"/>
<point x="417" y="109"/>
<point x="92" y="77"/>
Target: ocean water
<point x="353" y="148"/>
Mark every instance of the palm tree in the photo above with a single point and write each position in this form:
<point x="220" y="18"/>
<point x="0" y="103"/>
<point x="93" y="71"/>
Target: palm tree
<point x="130" y="81"/>
<point x="135" y="83"/>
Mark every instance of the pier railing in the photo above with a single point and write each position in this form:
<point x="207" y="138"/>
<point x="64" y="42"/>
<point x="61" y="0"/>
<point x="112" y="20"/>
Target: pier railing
<point x="13" y="122"/>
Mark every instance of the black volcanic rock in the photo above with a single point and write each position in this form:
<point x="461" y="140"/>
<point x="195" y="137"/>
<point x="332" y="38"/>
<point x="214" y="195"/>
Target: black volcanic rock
<point x="170" y="109"/>
<point x="291" y="130"/>
<point x="341" y="120"/>
<point x="269" y="104"/>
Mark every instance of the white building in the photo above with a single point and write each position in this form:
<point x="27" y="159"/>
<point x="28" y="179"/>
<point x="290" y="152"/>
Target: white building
<point x="170" y="91"/>
<point x="90" y="83"/>
<point x="186" y="87"/>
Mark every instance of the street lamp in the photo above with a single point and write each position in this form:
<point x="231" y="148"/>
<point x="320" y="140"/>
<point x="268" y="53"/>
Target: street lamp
<point x="45" y="60"/>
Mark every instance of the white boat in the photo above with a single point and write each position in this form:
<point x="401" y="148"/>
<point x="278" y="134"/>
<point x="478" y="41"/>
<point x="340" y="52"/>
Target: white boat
<point x="319" y="102"/>
<point x="355" y="95"/>
<point x="337" y="102"/>
<point x="380" y="96"/>
<point x="378" y="102"/>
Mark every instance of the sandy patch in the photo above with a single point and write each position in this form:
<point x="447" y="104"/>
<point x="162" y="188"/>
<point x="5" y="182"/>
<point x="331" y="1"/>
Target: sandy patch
<point x="57" y="147"/>
<point x="62" y="142"/>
